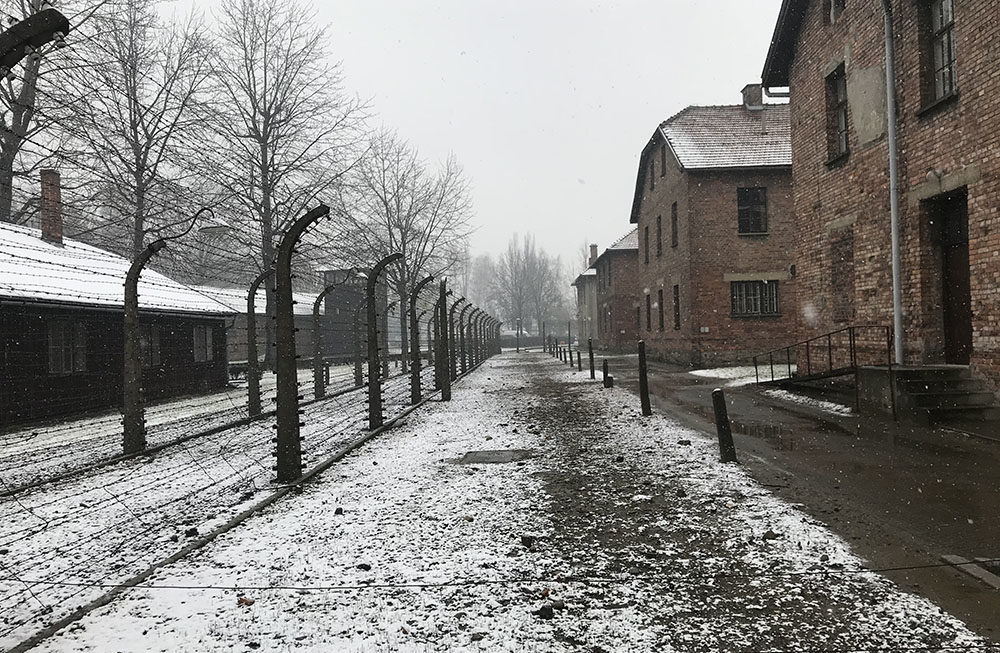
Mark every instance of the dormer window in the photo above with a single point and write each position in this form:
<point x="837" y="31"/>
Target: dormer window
<point x="832" y="9"/>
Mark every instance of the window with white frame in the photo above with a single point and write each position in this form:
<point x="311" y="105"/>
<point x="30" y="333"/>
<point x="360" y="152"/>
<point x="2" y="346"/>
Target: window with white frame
<point x="754" y="298"/>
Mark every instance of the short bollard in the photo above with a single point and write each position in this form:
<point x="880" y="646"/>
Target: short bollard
<point x="643" y="382"/>
<point x="590" y="354"/>
<point x="579" y="361"/>
<point x="609" y="381"/>
<point x="727" y="450"/>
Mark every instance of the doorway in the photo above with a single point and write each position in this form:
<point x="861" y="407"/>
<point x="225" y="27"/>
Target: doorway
<point x="951" y="213"/>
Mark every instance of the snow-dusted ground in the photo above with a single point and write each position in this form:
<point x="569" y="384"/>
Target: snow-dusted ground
<point x="745" y="374"/>
<point x="42" y="451"/>
<point x="619" y="534"/>
<point x="828" y="406"/>
<point x="111" y="523"/>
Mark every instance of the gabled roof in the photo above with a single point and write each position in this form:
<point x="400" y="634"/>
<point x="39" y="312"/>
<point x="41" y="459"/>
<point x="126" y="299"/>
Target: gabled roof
<point x="779" y="55"/>
<point x="589" y="272"/>
<point x="35" y="270"/>
<point x="720" y="138"/>
<point x="730" y="137"/>
<point x="627" y="243"/>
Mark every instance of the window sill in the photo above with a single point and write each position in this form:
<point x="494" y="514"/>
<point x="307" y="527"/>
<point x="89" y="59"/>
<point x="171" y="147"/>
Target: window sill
<point x="838" y="160"/>
<point x="938" y="105"/>
<point x="752" y="234"/>
<point x="754" y="316"/>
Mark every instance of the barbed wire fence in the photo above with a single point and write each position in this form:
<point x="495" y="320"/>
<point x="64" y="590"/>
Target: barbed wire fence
<point x="79" y="513"/>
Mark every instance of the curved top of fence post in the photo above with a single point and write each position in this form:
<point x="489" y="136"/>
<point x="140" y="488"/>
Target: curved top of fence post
<point x="416" y="291"/>
<point x="295" y="232"/>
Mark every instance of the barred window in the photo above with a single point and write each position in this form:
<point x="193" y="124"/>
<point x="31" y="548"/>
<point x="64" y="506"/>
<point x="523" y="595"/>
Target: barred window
<point x="67" y="347"/>
<point x="836" y="113"/>
<point x="942" y="26"/>
<point x="677" y="307"/>
<point x="645" y="240"/>
<point x="754" y="298"/>
<point x="659" y="235"/>
<point x="673" y="225"/>
<point x="751" y="210"/>
<point x="659" y="304"/>
<point x="649" y="313"/>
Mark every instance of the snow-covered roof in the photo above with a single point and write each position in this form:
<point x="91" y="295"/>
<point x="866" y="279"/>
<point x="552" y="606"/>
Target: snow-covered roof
<point x="730" y="136"/>
<point x="589" y="272"/>
<point x="627" y="243"/>
<point x="236" y="300"/>
<point x="35" y="270"/>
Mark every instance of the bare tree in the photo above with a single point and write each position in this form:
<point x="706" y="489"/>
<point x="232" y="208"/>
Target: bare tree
<point x="510" y="282"/>
<point x="138" y="116"/>
<point x="397" y="205"/>
<point x="282" y="124"/>
<point x="32" y="103"/>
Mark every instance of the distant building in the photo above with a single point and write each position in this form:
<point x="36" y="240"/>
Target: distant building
<point x="617" y="294"/>
<point x="61" y="328"/>
<point x="587" y="311"/>
<point x="714" y="213"/>
<point x="831" y="56"/>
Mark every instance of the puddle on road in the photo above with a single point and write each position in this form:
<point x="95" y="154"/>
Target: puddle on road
<point x="777" y="435"/>
<point x="493" y="456"/>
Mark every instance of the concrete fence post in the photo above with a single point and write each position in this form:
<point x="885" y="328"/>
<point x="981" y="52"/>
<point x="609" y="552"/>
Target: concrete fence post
<point x="727" y="449"/>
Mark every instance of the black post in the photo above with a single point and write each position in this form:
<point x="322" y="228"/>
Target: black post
<point x="463" y="327"/>
<point x="545" y="342"/>
<point x="727" y="450"/>
<point x="415" y="341"/>
<point x="374" y="382"/>
<point x="590" y="355"/>
<point x="579" y="361"/>
<point x="453" y="340"/>
<point x="443" y="343"/>
<point x="643" y="382"/>
<point x="253" y="365"/>
<point x="359" y="376"/>
<point x="609" y="380"/>
<point x="289" y="443"/>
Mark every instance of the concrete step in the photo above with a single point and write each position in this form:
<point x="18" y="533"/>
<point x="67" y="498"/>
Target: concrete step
<point x="913" y="386"/>
<point x="953" y="399"/>
<point x="944" y="415"/>
<point x="933" y="373"/>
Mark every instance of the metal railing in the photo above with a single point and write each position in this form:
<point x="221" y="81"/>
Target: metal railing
<point x="838" y="353"/>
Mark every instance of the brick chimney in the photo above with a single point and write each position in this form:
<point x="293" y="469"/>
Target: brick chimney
<point x="753" y="98"/>
<point x="51" y="209"/>
<point x="593" y="254"/>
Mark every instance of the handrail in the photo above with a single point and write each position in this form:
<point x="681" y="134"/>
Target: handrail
<point x="851" y="368"/>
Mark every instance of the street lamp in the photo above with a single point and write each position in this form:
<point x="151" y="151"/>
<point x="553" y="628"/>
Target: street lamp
<point x="133" y="411"/>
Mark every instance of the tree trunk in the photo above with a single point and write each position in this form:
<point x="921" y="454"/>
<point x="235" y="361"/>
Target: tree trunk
<point x="404" y="311"/>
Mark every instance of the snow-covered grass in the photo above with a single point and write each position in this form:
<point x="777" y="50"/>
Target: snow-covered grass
<point x="42" y="451"/>
<point x="819" y="404"/>
<point x="744" y="374"/>
<point x="108" y="525"/>
<point x="626" y="530"/>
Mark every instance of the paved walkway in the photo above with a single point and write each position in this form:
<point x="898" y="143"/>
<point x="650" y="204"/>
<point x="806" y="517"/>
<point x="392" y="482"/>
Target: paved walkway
<point x="595" y="530"/>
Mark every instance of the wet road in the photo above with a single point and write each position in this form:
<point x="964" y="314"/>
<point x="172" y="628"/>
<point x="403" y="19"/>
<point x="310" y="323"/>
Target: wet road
<point x="901" y="495"/>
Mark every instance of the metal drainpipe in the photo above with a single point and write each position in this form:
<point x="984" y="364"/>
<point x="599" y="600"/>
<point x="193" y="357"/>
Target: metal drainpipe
<point x="890" y="105"/>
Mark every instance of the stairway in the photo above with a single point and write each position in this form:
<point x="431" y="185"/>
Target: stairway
<point x="943" y="395"/>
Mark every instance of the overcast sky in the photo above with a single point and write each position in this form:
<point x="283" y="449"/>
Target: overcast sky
<point x="546" y="104"/>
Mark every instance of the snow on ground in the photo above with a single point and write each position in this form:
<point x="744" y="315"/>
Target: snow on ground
<point x="745" y="374"/>
<point x="111" y="523"/>
<point x="819" y="404"/>
<point x="44" y="450"/>
<point x="619" y="534"/>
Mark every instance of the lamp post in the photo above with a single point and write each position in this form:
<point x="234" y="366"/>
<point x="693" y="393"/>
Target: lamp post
<point x="133" y="410"/>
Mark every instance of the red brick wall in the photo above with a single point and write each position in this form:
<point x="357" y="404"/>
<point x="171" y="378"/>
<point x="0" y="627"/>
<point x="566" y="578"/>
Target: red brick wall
<point x="708" y="249"/>
<point x="960" y="140"/>
<point x="617" y="300"/>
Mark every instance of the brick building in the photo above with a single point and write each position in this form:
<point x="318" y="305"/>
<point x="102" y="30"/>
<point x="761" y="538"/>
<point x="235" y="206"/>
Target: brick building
<point x="831" y="56"/>
<point x="713" y="205"/>
<point x="587" y="312"/>
<point x="617" y="298"/>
